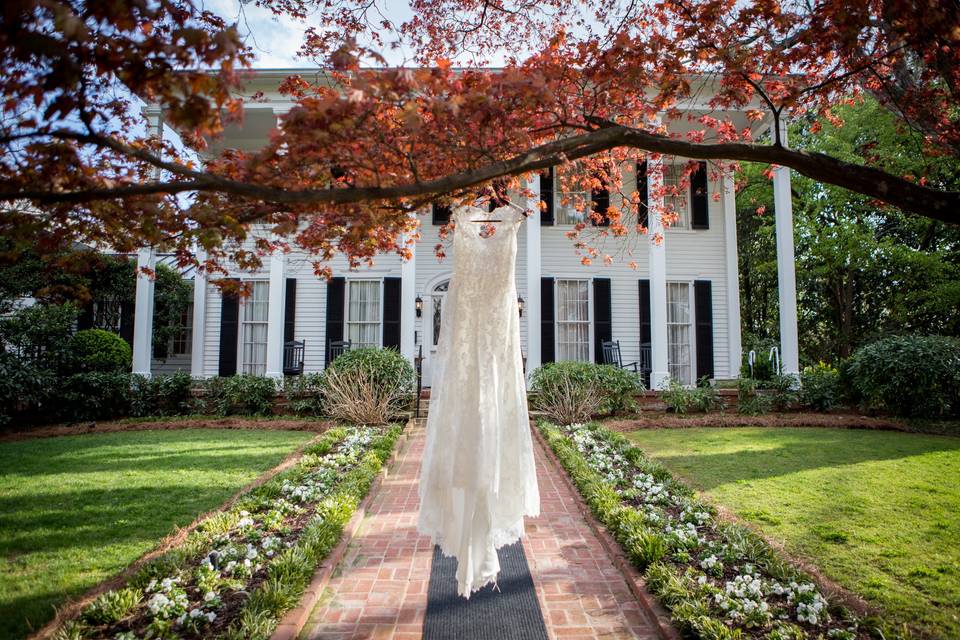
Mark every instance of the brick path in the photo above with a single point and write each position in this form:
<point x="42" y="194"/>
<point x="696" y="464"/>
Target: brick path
<point x="380" y="590"/>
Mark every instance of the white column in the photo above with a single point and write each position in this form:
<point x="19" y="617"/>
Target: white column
<point x="198" y="344"/>
<point x="143" y="312"/>
<point x="532" y="304"/>
<point x="276" y="301"/>
<point x="657" y="265"/>
<point x="734" y="348"/>
<point x="408" y="304"/>
<point x="786" y="270"/>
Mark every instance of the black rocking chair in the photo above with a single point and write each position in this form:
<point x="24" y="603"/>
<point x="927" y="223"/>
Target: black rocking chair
<point x="336" y="348"/>
<point x="293" y="357"/>
<point x="611" y="355"/>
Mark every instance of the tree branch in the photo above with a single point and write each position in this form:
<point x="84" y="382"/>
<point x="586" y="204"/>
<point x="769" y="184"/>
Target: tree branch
<point x="875" y="183"/>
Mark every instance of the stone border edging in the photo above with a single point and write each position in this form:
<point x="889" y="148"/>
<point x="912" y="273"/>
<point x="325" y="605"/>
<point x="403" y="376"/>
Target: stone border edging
<point x="296" y="619"/>
<point x="72" y="608"/>
<point x="657" y="614"/>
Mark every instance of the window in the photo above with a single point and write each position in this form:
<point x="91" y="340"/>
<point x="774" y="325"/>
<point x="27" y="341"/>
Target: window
<point x="254" y="330"/>
<point x="573" y="320"/>
<point x="439" y="293"/>
<point x="363" y="313"/>
<point x="679" y="332"/>
<point x="565" y="202"/>
<point x="182" y="342"/>
<point x="106" y="314"/>
<point x="677" y="198"/>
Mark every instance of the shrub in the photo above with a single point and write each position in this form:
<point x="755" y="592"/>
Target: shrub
<point x="680" y="399"/>
<point x="915" y="376"/>
<point x="164" y="395"/>
<point x="23" y="386"/>
<point x="575" y="391"/>
<point x="99" y="350"/>
<point x="39" y="335"/>
<point x="93" y="395"/>
<point x="749" y="402"/>
<point x="367" y="386"/>
<point x="784" y="390"/>
<point x="820" y="387"/>
<point x="304" y="394"/>
<point x="238" y="395"/>
<point x="384" y="366"/>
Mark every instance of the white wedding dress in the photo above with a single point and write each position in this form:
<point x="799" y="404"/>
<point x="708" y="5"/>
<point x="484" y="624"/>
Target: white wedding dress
<point x="478" y="479"/>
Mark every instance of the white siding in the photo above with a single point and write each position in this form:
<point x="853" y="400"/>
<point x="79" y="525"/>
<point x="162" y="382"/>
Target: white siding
<point x="690" y="255"/>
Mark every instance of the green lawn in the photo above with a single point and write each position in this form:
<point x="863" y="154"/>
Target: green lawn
<point x="877" y="511"/>
<point x="76" y="510"/>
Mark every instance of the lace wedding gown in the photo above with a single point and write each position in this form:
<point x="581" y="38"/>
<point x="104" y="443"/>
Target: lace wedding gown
<point x="478" y="479"/>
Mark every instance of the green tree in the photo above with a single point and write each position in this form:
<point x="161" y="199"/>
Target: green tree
<point x="862" y="272"/>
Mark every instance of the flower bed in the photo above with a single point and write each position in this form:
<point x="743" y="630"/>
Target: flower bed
<point x="237" y="574"/>
<point x="718" y="579"/>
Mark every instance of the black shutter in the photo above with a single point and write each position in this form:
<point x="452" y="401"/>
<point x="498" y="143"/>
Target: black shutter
<point x="547" y="331"/>
<point x="703" y="309"/>
<point x="646" y="329"/>
<point x="290" y="311"/>
<point x="85" y="317"/>
<point x="441" y="214"/>
<point x="391" y="313"/>
<point x="546" y="197"/>
<point x="642" y="216"/>
<point x="698" y="197"/>
<point x="126" y="322"/>
<point x="229" y="326"/>
<point x="600" y="199"/>
<point x="335" y="302"/>
<point x="602" y="317"/>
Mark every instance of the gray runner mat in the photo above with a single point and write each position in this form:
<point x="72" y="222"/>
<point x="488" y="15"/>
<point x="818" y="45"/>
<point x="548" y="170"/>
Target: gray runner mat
<point x="512" y="613"/>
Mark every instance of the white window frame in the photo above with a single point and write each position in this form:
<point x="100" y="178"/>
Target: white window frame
<point x="346" y="312"/>
<point x="692" y="323"/>
<point x="557" y="321"/>
<point x="243" y="367"/>
<point x="185" y="336"/>
<point x="560" y="211"/>
<point x="681" y="204"/>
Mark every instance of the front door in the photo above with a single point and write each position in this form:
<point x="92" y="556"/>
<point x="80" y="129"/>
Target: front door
<point x="434" y="308"/>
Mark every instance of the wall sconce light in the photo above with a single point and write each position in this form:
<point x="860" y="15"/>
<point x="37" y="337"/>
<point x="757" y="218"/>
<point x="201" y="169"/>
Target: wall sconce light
<point x="418" y="304"/>
<point x="520" y="305"/>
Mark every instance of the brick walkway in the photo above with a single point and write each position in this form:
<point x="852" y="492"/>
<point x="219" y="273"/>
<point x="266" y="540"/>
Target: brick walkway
<point x="380" y="590"/>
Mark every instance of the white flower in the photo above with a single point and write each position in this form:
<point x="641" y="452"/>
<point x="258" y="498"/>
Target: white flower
<point x="209" y="595"/>
<point x="158" y="603"/>
<point x="211" y="616"/>
<point x="709" y="562"/>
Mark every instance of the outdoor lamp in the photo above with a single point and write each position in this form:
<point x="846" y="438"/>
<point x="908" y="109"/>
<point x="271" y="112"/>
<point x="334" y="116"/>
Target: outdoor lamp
<point x="520" y="304"/>
<point x="418" y="304"/>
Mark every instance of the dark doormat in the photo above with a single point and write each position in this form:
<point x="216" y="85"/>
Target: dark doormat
<point x="512" y="613"/>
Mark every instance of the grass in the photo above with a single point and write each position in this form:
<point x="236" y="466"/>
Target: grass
<point x="876" y="511"/>
<point x="76" y="510"/>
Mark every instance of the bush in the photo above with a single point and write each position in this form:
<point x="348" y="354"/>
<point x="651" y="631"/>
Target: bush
<point x="749" y="402"/>
<point x="164" y="395"/>
<point x="820" y="387"/>
<point x="39" y="335"/>
<point x="572" y="392"/>
<point x="93" y="395"/>
<point x="23" y="386"/>
<point x="238" y="395"/>
<point x="304" y="394"/>
<point x="99" y="350"/>
<point x="914" y="376"/>
<point x="385" y="366"/>
<point x="681" y="400"/>
<point x="368" y="386"/>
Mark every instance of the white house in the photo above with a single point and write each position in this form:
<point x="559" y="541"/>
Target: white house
<point x="676" y="312"/>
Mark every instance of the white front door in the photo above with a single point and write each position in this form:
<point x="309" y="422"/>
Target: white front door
<point x="433" y="306"/>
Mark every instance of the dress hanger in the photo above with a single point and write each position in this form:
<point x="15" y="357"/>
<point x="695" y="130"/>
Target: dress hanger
<point x="509" y="204"/>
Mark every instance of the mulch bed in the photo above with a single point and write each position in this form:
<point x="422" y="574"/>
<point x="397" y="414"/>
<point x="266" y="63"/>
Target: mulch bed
<point x="165" y="424"/>
<point x="663" y="420"/>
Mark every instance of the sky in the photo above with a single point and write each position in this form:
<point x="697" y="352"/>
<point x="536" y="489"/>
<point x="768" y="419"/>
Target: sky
<point x="275" y="40"/>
